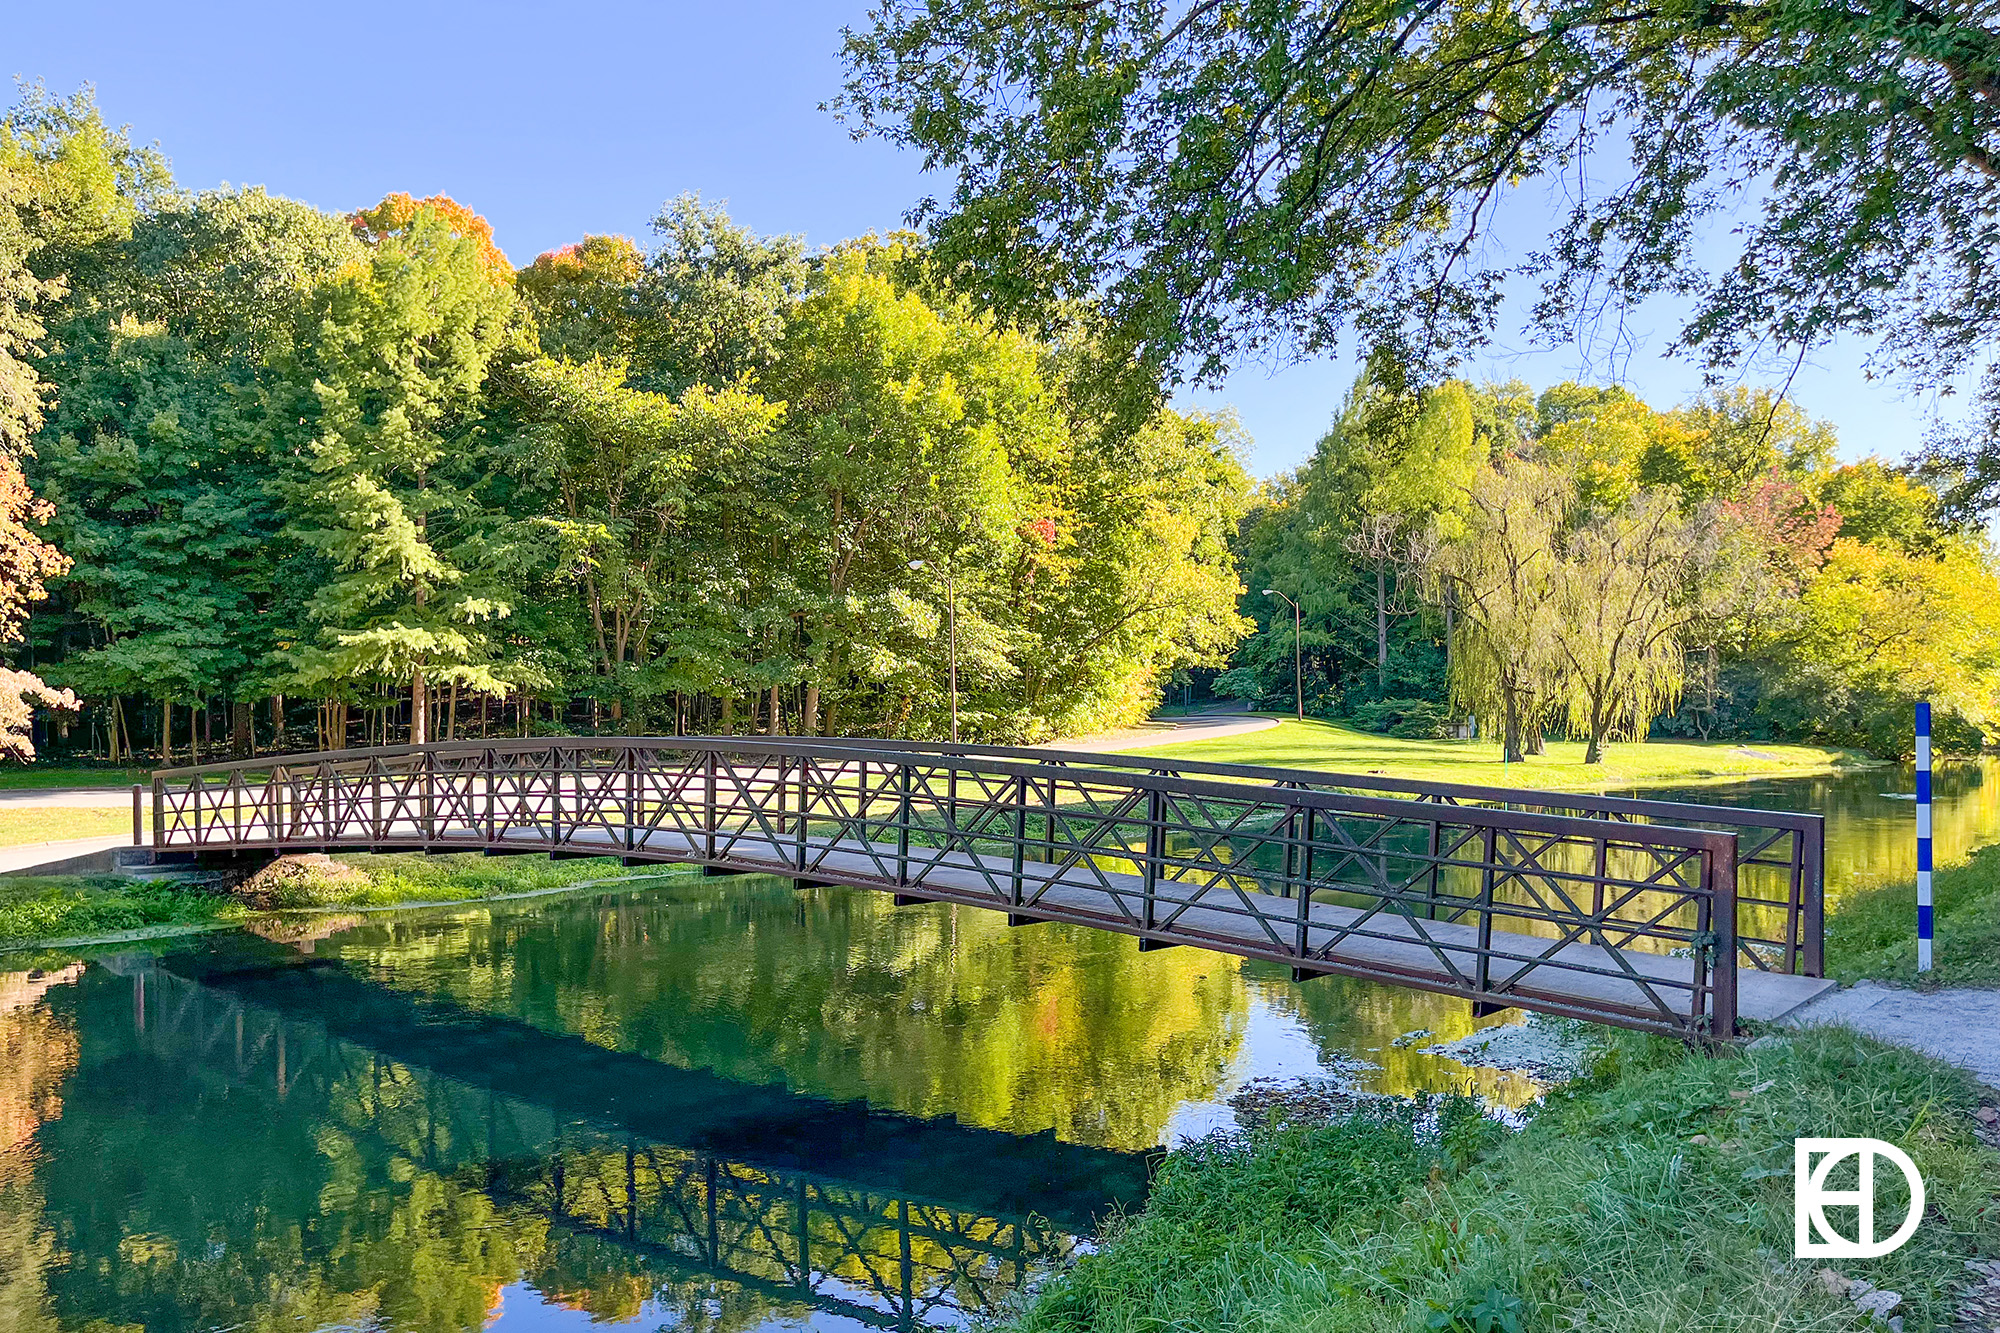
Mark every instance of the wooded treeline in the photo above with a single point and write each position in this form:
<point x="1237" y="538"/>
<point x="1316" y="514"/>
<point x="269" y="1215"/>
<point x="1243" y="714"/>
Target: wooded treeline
<point x="1580" y="563"/>
<point x="355" y="478"/>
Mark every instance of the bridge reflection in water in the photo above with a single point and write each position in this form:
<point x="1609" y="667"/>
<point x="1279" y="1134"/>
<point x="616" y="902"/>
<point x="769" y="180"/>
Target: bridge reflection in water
<point x="664" y="1175"/>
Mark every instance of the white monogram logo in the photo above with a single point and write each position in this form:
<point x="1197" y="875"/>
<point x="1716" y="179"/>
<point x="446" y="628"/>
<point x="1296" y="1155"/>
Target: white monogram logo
<point x="1813" y="1235"/>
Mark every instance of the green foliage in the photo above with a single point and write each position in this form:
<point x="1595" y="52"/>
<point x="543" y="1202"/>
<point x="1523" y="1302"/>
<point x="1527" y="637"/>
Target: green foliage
<point x="1408" y="719"/>
<point x="1270" y="177"/>
<point x="74" y="908"/>
<point x="1655" y="1193"/>
<point x="362" y="460"/>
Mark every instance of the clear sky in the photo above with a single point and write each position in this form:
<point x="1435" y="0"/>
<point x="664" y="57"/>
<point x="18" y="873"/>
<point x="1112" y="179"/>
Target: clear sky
<point x="554" y="121"/>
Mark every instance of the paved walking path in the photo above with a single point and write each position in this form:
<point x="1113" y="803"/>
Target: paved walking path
<point x="1206" y="726"/>
<point x="67" y="798"/>
<point x="1961" y="1026"/>
<point x="48" y="857"/>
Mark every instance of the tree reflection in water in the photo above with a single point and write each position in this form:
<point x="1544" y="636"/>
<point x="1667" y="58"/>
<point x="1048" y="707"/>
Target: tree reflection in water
<point x="715" y="1104"/>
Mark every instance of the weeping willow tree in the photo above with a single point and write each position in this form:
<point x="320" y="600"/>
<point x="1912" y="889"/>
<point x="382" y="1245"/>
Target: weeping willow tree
<point x="1624" y="597"/>
<point x="1499" y="570"/>
<point x="1567" y="613"/>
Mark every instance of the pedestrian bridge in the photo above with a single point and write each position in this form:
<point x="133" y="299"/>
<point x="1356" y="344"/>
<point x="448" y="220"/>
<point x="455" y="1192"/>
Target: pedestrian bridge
<point x="1662" y="916"/>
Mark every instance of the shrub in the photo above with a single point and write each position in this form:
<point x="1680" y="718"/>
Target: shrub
<point x="1408" y="719"/>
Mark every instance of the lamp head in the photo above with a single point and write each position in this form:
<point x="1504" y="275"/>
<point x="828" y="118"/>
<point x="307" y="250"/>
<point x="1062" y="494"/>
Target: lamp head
<point x="1270" y="592"/>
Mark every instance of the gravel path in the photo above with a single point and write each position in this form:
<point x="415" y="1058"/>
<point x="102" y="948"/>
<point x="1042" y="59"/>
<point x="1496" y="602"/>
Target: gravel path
<point x="1961" y="1026"/>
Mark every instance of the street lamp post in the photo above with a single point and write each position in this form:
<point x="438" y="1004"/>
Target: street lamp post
<point x="951" y="633"/>
<point x="1298" y="653"/>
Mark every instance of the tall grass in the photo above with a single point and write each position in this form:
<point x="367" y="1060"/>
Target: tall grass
<point x="1602" y="1213"/>
<point x="1873" y="934"/>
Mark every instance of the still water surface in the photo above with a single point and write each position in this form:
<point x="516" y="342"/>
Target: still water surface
<point x="694" y="1104"/>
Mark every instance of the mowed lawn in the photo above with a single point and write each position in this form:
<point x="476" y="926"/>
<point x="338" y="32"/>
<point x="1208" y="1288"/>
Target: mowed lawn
<point x="1338" y="749"/>
<point x="57" y="824"/>
<point x="17" y="776"/>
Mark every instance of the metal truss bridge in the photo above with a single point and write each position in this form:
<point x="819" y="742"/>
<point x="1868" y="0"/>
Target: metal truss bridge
<point x="1662" y="916"/>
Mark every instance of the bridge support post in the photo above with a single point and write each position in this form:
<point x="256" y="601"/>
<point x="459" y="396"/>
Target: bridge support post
<point x="805" y="809"/>
<point x="1483" y="964"/>
<point x="1722" y="972"/>
<point x="1305" y="897"/>
<point x="708" y="806"/>
<point x="1020" y="888"/>
<point x="631" y="798"/>
<point x="902" y="824"/>
<point x="1155" y="852"/>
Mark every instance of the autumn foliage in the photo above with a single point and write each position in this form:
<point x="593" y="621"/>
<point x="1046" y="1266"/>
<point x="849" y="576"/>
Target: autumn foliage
<point x="396" y="212"/>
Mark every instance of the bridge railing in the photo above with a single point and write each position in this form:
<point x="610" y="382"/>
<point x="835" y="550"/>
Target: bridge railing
<point x="1781" y="854"/>
<point x="1593" y="917"/>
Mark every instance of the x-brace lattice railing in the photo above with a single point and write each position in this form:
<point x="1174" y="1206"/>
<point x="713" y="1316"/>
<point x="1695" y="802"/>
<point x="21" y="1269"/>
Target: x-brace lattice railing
<point x="1599" y="917"/>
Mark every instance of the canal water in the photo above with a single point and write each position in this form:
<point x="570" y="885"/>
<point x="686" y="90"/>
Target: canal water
<point x="717" y="1104"/>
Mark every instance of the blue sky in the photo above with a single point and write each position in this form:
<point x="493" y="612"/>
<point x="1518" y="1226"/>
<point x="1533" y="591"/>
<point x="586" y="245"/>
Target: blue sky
<point x="556" y="121"/>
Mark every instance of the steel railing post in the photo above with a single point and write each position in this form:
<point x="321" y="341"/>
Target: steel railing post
<point x="1482" y="980"/>
<point x="1432" y="879"/>
<point x="1305" y="891"/>
<point x="492" y="801"/>
<point x="708" y="815"/>
<point x="375" y="800"/>
<point x="805" y="809"/>
<point x="1049" y="825"/>
<point x="1812" y="873"/>
<point x="1290" y="882"/>
<point x="631" y="798"/>
<point x="556" y="775"/>
<point x="1722" y="980"/>
<point x="1156" y="842"/>
<point x="427" y="772"/>
<point x="1020" y="838"/>
<point x="902" y="823"/>
<point x="138" y="818"/>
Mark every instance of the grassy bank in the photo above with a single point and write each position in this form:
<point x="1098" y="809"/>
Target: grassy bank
<point x="1873" y="934"/>
<point x="70" y="907"/>
<point x="1335" y="748"/>
<point x="1654" y="1196"/>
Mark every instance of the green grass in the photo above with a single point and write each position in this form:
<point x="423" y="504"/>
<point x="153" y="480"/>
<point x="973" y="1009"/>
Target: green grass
<point x="1873" y="933"/>
<point x="57" y="823"/>
<point x="1340" y="749"/>
<point x="1602" y="1213"/>
<point x="387" y="881"/>
<point x="15" y="776"/>
<point x="80" y="906"/>
<point x="36" y="910"/>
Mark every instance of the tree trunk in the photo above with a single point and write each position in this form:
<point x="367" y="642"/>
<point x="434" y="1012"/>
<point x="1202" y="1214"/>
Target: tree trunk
<point x="777" y="713"/>
<point x="809" y="719"/>
<point x="728" y="724"/>
<point x="1510" y="727"/>
<point x="1381" y="632"/>
<point x="420" y="709"/>
<point x="242" y="737"/>
<point x="166" y="732"/>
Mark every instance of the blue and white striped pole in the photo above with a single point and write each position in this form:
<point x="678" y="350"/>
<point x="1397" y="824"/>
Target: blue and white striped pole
<point x="1923" y="837"/>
